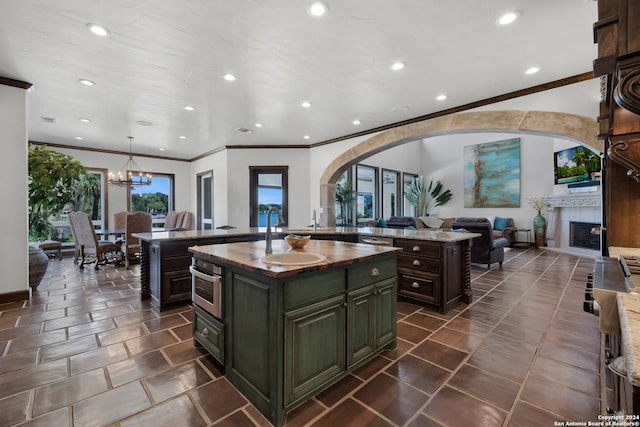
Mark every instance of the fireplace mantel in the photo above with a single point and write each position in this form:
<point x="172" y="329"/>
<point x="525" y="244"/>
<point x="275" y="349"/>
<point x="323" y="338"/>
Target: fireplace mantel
<point x="573" y="200"/>
<point x="563" y="208"/>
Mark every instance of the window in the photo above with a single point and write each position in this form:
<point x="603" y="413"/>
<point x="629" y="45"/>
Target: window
<point x="91" y="197"/>
<point x="367" y="191"/>
<point x="157" y="199"/>
<point x="268" y="188"/>
<point x="345" y="196"/>
<point x="205" y="200"/>
<point x="390" y="192"/>
<point x="409" y="210"/>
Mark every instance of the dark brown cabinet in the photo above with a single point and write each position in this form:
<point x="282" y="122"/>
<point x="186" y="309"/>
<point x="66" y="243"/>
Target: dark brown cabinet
<point x="167" y="278"/>
<point x="431" y="272"/>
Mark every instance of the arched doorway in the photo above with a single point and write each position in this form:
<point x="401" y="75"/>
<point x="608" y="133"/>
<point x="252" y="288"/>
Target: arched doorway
<point x="562" y="125"/>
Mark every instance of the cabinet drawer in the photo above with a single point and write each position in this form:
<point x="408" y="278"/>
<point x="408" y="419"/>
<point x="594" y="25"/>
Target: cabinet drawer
<point x="367" y="273"/>
<point x="420" y="263"/>
<point x="209" y="332"/>
<point x="419" y="247"/>
<point x="311" y="288"/>
<point x="181" y="262"/>
<point x="422" y="286"/>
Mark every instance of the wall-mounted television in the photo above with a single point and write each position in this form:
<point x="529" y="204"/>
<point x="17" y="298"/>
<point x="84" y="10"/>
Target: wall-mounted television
<point x="576" y="164"/>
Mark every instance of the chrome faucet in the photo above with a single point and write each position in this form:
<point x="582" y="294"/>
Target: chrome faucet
<point x="315" y="221"/>
<point x="281" y="222"/>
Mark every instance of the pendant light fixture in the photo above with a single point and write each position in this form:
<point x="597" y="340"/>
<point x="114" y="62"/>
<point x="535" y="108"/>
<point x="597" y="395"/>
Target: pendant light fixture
<point x="130" y="175"/>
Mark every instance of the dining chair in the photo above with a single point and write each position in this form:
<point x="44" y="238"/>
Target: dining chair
<point x="172" y="220"/>
<point x="119" y="220"/>
<point x="88" y="245"/>
<point x="137" y="222"/>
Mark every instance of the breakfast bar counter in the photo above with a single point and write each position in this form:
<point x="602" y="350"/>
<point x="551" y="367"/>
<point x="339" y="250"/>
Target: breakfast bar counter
<point x="436" y="267"/>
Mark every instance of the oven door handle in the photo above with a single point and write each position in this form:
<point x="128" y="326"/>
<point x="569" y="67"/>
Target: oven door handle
<point x="203" y="276"/>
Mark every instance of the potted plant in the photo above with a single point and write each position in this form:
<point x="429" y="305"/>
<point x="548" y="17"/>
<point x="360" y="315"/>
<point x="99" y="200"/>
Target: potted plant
<point x="52" y="178"/>
<point x="345" y="196"/>
<point x="426" y="198"/>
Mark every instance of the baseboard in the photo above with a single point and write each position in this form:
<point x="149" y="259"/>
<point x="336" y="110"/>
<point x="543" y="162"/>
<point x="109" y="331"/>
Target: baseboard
<point x="14" y="296"/>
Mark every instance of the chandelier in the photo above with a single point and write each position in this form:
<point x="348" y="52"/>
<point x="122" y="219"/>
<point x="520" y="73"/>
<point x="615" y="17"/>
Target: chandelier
<point x="130" y="175"/>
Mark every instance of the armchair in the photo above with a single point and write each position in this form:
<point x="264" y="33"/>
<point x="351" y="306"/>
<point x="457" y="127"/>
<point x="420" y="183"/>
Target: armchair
<point x="87" y="244"/>
<point x="484" y="249"/>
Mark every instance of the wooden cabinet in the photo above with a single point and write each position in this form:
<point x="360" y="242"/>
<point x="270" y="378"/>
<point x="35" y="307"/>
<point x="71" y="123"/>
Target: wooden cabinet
<point x="168" y="279"/>
<point x="431" y="272"/>
<point x="208" y="332"/>
<point x="287" y="339"/>
<point x="371" y="316"/>
<point x="314" y="347"/>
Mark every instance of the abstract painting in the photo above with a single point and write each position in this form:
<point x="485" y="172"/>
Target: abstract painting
<point x="492" y="174"/>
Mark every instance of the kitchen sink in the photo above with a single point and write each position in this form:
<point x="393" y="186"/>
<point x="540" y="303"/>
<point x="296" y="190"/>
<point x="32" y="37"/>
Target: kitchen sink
<point x="294" y="258"/>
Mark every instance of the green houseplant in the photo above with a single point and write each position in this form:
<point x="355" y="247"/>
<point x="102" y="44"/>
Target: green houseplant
<point x="52" y="178"/>
<point x="345" y="196"/>
<point x="426" y="198"/>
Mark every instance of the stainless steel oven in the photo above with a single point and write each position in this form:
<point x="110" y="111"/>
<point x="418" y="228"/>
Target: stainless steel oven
<point x="206" y="281"/>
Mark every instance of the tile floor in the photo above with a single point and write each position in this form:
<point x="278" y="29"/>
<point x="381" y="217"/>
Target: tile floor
<point x="84" y="351"/>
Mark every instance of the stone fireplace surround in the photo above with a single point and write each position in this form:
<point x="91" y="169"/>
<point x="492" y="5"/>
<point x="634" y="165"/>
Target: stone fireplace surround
<point x="564" y="208"/>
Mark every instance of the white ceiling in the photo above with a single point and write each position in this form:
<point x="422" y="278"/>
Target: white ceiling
<point x="164" y="54"/>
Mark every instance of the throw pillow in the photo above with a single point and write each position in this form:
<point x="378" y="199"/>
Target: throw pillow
<point x="492" y="220"/>
<point x="501" y="223"/>
<point x="431" y="221"/>
<point x="382" y="223"/>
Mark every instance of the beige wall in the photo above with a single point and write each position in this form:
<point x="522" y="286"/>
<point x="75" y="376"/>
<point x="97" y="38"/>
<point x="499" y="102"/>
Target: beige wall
<point x="13" y="175"/>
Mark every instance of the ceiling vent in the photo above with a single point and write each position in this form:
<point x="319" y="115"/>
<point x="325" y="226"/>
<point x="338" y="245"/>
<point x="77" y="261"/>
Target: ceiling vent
<point x="48" y="119"/>
<point x="244" y="130"/>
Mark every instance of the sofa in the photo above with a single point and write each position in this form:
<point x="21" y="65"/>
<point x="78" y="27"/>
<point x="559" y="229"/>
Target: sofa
<point x="501" y="227"/>
<point x="484" y="249"/>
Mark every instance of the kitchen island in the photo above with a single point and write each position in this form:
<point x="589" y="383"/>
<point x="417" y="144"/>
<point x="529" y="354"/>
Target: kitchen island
<point x="290" y="331"/>
<point x="434" y="271"/>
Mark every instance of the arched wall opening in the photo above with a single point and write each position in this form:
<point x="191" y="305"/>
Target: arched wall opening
<point x="580" y="129"/>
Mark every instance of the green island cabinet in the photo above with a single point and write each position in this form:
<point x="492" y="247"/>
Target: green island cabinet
<point x="283" y="340"/>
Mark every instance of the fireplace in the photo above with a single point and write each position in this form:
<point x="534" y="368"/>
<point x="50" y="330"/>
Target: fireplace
<point x="584" y="235"/>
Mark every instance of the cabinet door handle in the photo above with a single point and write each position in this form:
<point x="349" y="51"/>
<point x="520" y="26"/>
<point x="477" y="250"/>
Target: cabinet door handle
<point x="205" y="332"/>
<point x="375" y="272"/>
<point x="415" y="285"/>
<point x="416" y="248"/>
<point x="344" y="304"/>
<point x="416" y="262"/>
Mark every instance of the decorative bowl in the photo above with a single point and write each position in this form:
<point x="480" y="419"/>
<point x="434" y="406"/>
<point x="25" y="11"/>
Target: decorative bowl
<point x="296" y="241"/>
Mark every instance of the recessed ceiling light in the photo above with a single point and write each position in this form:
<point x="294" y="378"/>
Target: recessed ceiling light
<point x="317" y="8"/>
<point x="189" y="108"/>
<point x="161" y="149"/>
<point x="229" y="77"/>
<point x="507" y="18"/>
<point x="307" y="137"/>
<point x="98" y="30"/>
<point x="182" y="137"/>
<point x="356" y="122"/>
<point x="144" y="123"/>
<point x="83" y="120"/>
<point x="306" y="104"/>
<point x="86" y="82"/>
<point x="79" y="138"/>
<point x="397" y="66"/>
<point x="441" y="97"/>
<point x="258" y="125"/>
<point x="532" y="70"/>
